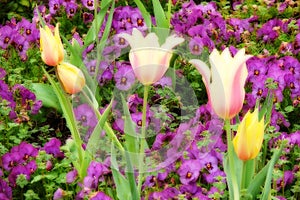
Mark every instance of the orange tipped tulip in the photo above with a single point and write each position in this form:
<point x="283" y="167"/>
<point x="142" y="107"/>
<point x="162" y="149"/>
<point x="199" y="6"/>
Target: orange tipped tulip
<point x="225" y="81"/>
<point x="149" y="60"/>
<point x="51" y="47"/>
<point x="249" y="138"/>
<point x="70" y="77"/>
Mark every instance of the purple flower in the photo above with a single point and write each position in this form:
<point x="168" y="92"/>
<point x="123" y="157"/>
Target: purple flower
<point x="189" y="171"/>
<point x="89" y="4"/>
<point x="28" y="30"/>
<point x="71" y="176"/>
<point x="5" y="190"/>
<point x="53" y="147"/>
<point x="288" y="178"/>
<point x="196" y="45"/>
<point x="71" y="9"/>
<point x="86" y="115"/>
<point x="54" y="6"/>
<point x="58" y="194"/>
<point x="167" y="193"/>
<point x="6" y="36"/>
<point x="270" y="30"/>
<point x="94" y="172"/>
<point x="15" y="172"/>
<point x="10" y="160"/>
<point x="124" y="77"/>
<point x="25" y="150"/>
<point x="100" y="196"/>
<point x="87" y="17"/>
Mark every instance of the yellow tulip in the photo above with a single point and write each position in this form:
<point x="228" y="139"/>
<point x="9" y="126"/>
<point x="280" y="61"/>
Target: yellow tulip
<point x="52" y="51"/>
<point x="224" y="81"/>
<point x="249" y="138"/>
<point x="70" y="77"/>
<point x="148" y="59"/>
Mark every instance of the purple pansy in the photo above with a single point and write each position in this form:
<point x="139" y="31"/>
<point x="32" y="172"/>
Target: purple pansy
<point x="100" y="196"/>
<point x="189" y="171"/>
<point x="53" y="147"/>
<point x="5" y="190"/>
<point x="124" y="77"/>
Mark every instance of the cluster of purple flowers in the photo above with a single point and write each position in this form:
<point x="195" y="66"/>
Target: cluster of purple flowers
<point x="18" y="100"/>
<point x="96" y="173"/>
<point x="208" y="29"/>
<point x="21" y="160"/>
<point x="20" y="35"/>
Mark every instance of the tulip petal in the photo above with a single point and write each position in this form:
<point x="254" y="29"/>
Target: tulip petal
<point x="203" y="70"/>
<point x="171" y="42"/>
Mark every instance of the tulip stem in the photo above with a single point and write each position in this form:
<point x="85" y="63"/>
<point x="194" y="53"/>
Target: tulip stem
<point x="143" y="140"/>
<point x="236" y="195"/>
<point x="244" y="173"/>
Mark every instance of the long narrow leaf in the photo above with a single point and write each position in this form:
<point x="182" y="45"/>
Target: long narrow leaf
<point x="130" y="130"/>
<point x="122" y="184"/>
<point x="258" y="181"/>
<point x="93" y="142"/>
<point x="145" y="13"/>
<point x="267" y="187"/>
<point x="159" y="14"/>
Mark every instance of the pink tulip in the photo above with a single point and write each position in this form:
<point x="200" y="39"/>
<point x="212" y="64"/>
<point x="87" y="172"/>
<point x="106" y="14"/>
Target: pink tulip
<point x="71" y="77"/>
<point x="148" y="59"/>
<point x="224" y="81"/>
<point x="52" y="51"/>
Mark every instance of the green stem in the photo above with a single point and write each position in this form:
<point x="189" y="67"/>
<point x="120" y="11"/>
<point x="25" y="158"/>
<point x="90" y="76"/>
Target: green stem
<point x="106" y="126"/>
<point x="244" y="174"/>
<point x="143" y="140"/>
<point x="236" y="195"/>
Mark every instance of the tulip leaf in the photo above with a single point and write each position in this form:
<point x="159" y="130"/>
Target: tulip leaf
<point x="258" y="181"/>
<point x="93" y="142"/>
<point x="46" y="94"/>
<point x="160" y="16"/>
<point x="129" y="129"/>
<point x="145" y="13"/>
<point x="130" y="176"/>
<point x="92" y="34"/>
<point x="267" y="187"/>
<point x="122" y="184"/>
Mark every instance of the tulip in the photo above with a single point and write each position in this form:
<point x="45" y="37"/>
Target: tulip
<point x="71" y="77"/>
<point x="148" y="59"/>
<point x="224" y="81"/>
<point x="51" y="47"/>
<point x="249" y="138"/>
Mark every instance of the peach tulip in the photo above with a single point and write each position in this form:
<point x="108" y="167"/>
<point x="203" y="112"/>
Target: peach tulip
<point x="71" y="77"/>
<point x="52" y="51"/>
<point x="148" y="59"/>
<point x="249" y="138"/>
<point x="224" y="81"/>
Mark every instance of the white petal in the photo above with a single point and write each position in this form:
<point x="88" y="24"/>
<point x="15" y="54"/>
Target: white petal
<point x="171" y="42"/>
<point x="203" y="70"/>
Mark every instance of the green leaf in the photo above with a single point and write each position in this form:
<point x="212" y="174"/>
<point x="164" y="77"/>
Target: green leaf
<point x="267" y="187"/>
<point x="129" y="129"/>
<point x="145" y="13"/>
<point x="92" y="34"/>
<point x="256" y="184"/>
<point x="46" y="94"/>
<point x="160" y="16"/>
<point x="93" y="142"/>
<point x="122" y="184"/>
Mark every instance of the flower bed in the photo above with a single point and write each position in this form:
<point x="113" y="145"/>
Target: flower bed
<point x="152" y="100"/>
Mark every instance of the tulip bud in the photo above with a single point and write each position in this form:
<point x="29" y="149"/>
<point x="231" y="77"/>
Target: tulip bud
<point x="51" y="47"/>
<point x="70" y="77"/>
<point x="250" y="134"/>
